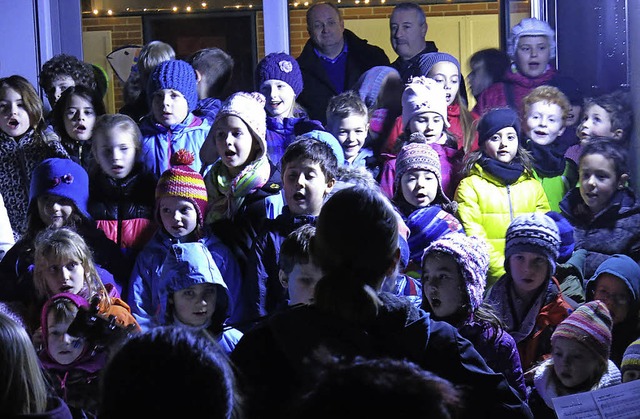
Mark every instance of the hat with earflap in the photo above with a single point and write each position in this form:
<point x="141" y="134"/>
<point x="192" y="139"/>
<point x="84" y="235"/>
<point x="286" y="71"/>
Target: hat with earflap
<point x="175" y="75"/>
<point x="531" y="27"/>
<point x="280" y="66"/>
<point x="182" y="181"/>
<point x="533" y="233"/>
<point x="495" y="120"/>
<point x="471" y="254"/>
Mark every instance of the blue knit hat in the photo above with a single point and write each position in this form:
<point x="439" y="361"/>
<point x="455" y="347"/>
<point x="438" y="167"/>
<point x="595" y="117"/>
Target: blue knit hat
<point x="280" y="66"/>
<point x="567" y="241"/>
<point x="495" y="120"/>
<point x="427" y="61"/>
<point x="176" y="75"/>
<point x="427" y="225"/>
<point x="60" y="177"/>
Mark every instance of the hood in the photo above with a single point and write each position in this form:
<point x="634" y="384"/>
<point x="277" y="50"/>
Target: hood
<point x="620" y="266"/>
<point x="188" y="264"/>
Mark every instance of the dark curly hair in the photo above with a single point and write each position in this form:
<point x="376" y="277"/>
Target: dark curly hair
<point x="66" y="65"/>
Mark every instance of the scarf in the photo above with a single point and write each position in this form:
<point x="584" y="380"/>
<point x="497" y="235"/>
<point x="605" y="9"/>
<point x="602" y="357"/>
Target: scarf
<point x="228" y="193"/>
<point x="508" y="173"/>
<point x="549" y="161"/>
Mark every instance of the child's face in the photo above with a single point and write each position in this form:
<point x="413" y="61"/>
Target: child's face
<point x="169" y="107"/>
<point x="544" y="122"/>
<point x="598" y="181"/>
<point x="596" y="122"/>
<point x="419" y="187"/>
<point x="529" y="271"/>
<point x="54" y="210"/>
<point x="280" y="98"/>
<point x="441" y="281"/>
<point x="63" y="347"/>
<point x="573" y="116"/>
<point x="630" y="375"/>
<point x="59" y="85"/>
<point x="301" y="282"/>
<point x="613" y="292"/>
<point x="532" y="55"/>
<point x="178" y="215"/>
<point x="352" y="133"/>
<point x="14" y="119"/>
<point x="64" y="275"/>
<point x="573" y="363"/>
<point x="503" y="145"/>
<point x="195" y="305"/>
<point x="479" y="79"/>
<point x="446" y="73"/>
<point x="116" y="152"/>
<point x="305" y="187"/>
<point x="431" y="124"/>
<point x="234" y="143"/>
<point x="79" y="118"/>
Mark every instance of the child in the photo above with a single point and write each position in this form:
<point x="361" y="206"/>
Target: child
<point x="63" y="262"/>
<point x="181" y="204"/>
<point x="61" y="72"/>
<point x="616" y="283"/>
<point x="121" y="192"/>
<point x="213" y="69"/>
<point x="72" y="363"/>
<point x="630" y="367"/>
<point x="348" y="121"/>
<point x="498" y="186"/>
<point x="194" y="295"/>
<point x="454" y="272"/>
<point x="309" y="173"/>
<point x="243" y="185"/>
<point x="488" y="66"/>
<point x="569" y="138"/>
<point x="545" y="110"/>
<point x="171" y="126"/>
<point x="23" y="145"/>
<point x="603" y="210"/>
<point x="609" y="115"/>
<point x="532" y="47"/>
<point x="74" y="117"/>
<point x="58" y="198"/>
<point x="298" y="273"/>
<point x="528" y="298"/>
<point x="424" y="110"/>
<point x="579" y="359"/>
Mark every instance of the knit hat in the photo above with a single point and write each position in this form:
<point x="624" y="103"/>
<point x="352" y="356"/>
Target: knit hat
<point x="183" y="182"/>
<point x="423" y="95"/>
<point x="427" y="61"/>
<point x="472" y="257"/>
<point x="568" y="86"/>
<point x="590" y="324"/>
<point x="427" y="225"/>
<point x="176" y="75"/>
<point x="60" y="177"/>
<point x="416" y="154"/>
<point x="535" y="233"/>
<point x="371" y="81"/>
<point x="531" y="27"/>
<point x="280" y="66"/>
<point x="495" y="120"/>
<point x="250" y="108"/>
<point x="565" y="230"/>
<point x="631" y="358"/>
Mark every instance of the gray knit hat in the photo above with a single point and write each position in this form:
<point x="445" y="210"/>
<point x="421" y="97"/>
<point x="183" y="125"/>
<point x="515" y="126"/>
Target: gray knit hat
<point x="535" y="233"/>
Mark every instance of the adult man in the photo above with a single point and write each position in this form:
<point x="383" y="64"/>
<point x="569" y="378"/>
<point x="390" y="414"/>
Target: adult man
<point x="408" y="27"/>
<point x="333" y="59"/>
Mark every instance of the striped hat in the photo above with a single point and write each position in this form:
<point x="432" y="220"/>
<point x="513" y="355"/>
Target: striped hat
<point x="183" y="182"/>
<point x="535" y="233"/>
<point x="590" y="324"/>
<point x="631" y="358"/>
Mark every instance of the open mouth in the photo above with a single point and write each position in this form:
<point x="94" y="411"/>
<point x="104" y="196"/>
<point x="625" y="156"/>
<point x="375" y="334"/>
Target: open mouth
<point x="116" y="168"/>
<point x="540" y="133"/>
<point x="229" y="153"/>
<point x="13" y="123"/>
<point x="298" y="196"/>
<point x="275" y="104"/>
<point x="65" y="288"/>
<point x="435" y="302"/>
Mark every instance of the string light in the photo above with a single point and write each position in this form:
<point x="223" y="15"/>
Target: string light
<point x="188" y="8"/>
<point x="110" y="12"/>
<point x="174" y="8"/>
<point x="95" y="12"/>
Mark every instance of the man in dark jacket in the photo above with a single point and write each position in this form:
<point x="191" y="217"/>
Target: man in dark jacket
<point x="332" y="60"/>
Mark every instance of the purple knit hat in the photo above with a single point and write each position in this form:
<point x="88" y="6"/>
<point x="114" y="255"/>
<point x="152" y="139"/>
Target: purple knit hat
<point x="590" y="324"/>
<point x="472" y="257"/>
<point x="280" y="66"/>
<point x="416" y="154"/>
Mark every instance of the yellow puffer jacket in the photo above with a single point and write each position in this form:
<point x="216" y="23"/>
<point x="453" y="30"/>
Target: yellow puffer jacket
<point x="486" y="207"/>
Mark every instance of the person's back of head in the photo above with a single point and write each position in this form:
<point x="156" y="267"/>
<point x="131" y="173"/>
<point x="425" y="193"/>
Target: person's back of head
<point x="214" y="68"/>
<point x="152" y="54"/>
<point x="171" y="372"/>
<point x="495" y="61"/>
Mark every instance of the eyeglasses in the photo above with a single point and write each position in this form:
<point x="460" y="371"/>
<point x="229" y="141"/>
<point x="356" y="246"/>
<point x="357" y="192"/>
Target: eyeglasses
<point x="619" y="299"/>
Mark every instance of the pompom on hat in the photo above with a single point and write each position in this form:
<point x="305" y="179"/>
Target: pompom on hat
<point x="60" y="177"/>
<point x="631" y="358"/>
<point x="471" y="254"/>
<point x="427" y="61"/>
<point x="423" y="95"/>
<point x="183" y="182"/>
<point x="590" y="325"/>
<point x="176" y="75"/>
<point x="534" y="233"/>
<point x="248" y="106"/>
<point x="495" y="120"/>
<point x="280" y="66"/>
<point x="531" y="27"/>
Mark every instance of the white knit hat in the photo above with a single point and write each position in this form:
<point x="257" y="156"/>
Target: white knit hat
<point x="531" y="27"/>
<point x="422" y="95"/>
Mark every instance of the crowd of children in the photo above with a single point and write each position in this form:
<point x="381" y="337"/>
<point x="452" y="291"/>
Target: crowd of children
<point x="495" y="248"/>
